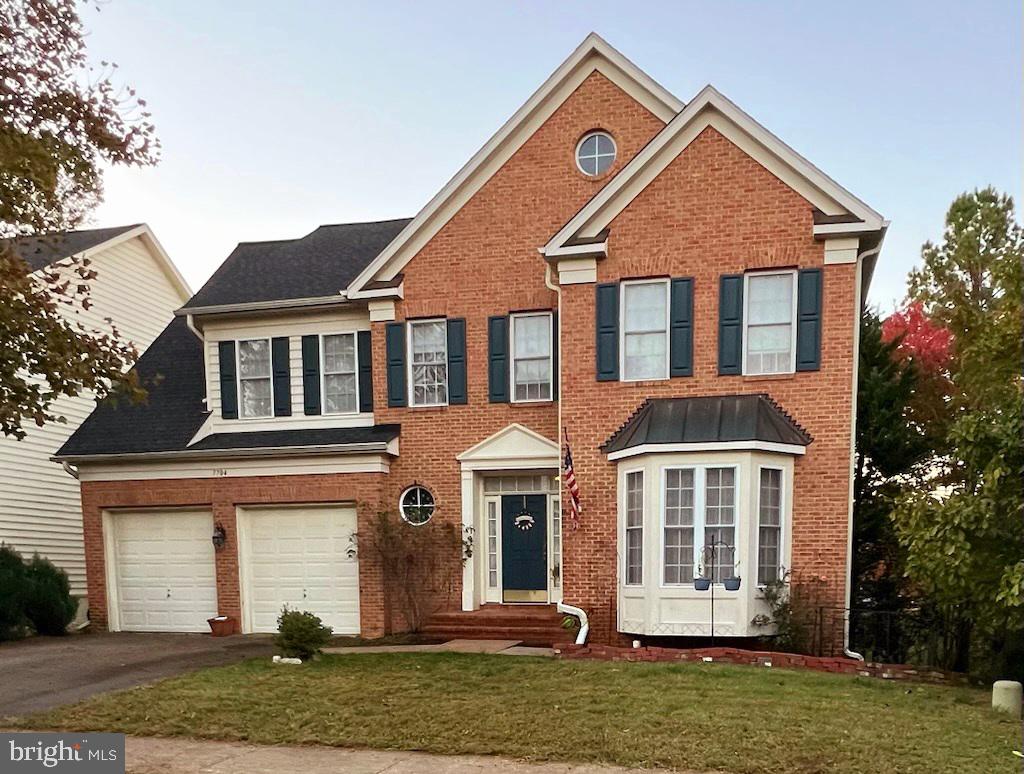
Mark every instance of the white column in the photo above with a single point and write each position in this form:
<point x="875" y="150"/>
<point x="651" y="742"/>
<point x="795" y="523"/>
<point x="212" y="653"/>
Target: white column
<point x="469" y="600"/>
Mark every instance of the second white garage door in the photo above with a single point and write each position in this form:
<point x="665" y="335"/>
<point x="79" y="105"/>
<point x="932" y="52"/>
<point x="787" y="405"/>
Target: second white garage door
<point x="299" y="556"/>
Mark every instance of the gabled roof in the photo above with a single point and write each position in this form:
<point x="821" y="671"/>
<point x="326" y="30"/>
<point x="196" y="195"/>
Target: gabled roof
<point x="320" y="264"/>
<point x="593" y="54"/>
<point x="47" y="249"/>
<point x="841" y="211"/>
<point x="709" y="422"/>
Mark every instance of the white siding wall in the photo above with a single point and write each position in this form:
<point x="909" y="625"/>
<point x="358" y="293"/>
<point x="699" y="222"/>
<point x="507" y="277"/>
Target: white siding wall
<point x="40" y="508"/>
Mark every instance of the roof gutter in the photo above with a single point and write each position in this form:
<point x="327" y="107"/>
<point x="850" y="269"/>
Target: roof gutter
<point x="380" y="447"/>
<point x="338" y="299"/>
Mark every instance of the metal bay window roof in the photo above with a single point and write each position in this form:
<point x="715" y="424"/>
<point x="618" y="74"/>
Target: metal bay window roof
<point x="711" y="421"/>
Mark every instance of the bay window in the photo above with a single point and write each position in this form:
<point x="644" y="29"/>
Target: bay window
<point x="254" y="382"/>
<point x="428" y="363"/>
<point x="645" y="330"/>
<point x="339" y="373"/>
<point x="769" y="340"/>
<point x="531" y="357"/>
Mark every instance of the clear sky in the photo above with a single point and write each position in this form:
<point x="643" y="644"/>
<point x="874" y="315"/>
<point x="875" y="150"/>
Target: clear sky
<point x="276" y="117"/>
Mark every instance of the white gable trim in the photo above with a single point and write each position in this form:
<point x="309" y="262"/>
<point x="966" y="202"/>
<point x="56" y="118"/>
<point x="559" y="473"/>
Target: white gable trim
<point x="594" y="54"/>
<point x="145" y="233"/>
<point x="710" y="108"/>
<point x="514" y="447"/>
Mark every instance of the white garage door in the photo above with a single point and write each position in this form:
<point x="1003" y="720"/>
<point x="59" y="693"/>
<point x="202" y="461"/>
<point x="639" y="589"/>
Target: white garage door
<point x="299" y="556"/>
<point x="163" y="578"/>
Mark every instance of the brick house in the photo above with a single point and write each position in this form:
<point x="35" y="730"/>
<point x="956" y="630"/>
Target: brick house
<point x="666" y="284"/>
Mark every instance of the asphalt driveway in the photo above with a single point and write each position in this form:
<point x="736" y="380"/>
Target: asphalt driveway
<point x="45" y="672"/>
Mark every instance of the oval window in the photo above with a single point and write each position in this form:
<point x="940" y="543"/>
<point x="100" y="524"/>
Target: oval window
<point x="595" y="153"/>
<point x="416" y="505"/>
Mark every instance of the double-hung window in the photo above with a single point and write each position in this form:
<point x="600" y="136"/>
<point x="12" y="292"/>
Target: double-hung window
<point x="645" y="330"/>
<point x="769" y="533"/>
<point x="699" y="511"/>
<point x="634" y="528"/>
<point x="531" y="357"/>
<point x="428" y="363"/>
<point x="339" y="373"/>
<point x="769" y="342"/>
<point x="254" y="382"/>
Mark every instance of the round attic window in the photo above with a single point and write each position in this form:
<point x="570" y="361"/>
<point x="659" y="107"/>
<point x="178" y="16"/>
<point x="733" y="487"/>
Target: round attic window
<point x="416" y="505"/>
<point x="595" y="153"/>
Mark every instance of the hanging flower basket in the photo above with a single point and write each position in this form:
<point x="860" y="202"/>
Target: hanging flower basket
<point x="732" y="584"/>
<point x="702" y="584"/>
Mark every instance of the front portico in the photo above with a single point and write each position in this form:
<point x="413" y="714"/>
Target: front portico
<point x="510" y="505"/>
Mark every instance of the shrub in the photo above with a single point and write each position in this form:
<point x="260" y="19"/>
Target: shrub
<point x="300" y="634"/>
<point x="49" y="605"/>
<point x="13" y="624"/>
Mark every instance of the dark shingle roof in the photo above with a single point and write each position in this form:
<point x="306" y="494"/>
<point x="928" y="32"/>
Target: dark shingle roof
<point x="40" y="251"/>
<point x="172" y="372"/>
<point x="321" y="263"/>
<point x="708" y="420"/>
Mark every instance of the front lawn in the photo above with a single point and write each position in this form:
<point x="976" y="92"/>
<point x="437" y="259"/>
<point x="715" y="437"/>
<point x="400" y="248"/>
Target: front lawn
<point x="697" y="716"/>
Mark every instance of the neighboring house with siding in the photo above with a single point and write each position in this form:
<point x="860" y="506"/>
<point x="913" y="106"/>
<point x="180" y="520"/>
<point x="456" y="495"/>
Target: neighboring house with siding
<point x="667" y="284"/>
<point x="138" y="288"/>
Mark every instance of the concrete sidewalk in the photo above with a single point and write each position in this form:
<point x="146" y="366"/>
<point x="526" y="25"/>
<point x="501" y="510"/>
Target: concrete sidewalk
<point x="146" y="755"/>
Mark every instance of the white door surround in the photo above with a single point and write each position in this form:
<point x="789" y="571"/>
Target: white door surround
<point x="160" y="569"/>
<point x="514" y="452"/>
<point x="300" y="556"/>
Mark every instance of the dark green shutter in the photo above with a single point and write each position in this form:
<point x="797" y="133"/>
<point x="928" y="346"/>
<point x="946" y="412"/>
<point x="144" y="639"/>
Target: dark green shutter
<point x="364" y="352"/>
<point x="311" y="374"/>
<point x="497" y="359"/>
<point x="808" y="320"/>
<point x="607" y="325"/>
<point x="228" y="385"/>
<point x="457" y="361"/>
<point x="281" y="368"/>
<point x="554" y="355"/>
<point x="681" y="327"/>
<point x="394" y="335"/>
<point x="730" y="324"/>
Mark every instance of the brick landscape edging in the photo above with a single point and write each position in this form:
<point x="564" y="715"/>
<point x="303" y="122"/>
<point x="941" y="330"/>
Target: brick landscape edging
<point x="762" y="658"/>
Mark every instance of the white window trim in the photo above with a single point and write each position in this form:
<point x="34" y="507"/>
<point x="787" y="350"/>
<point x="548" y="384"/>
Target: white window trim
<point x="625" y="528"/>
<point x="269" y="377"/>
<point x="409" y="325"/>
<point x="512" y="358"/>
<point x="622" y="328"/>
<point x="756" y="557"/>
<point x="583" y="139"/>
<point x="746" y="321"/>
<point x="401" y="503"/>
<point x="323" y="374"/>
<point x="555" y="553"/>
<point x="699" y="486"/>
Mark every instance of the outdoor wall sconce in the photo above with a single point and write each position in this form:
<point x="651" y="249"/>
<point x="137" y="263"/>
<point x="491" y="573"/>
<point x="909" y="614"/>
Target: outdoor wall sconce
<point x="220" y="537"/>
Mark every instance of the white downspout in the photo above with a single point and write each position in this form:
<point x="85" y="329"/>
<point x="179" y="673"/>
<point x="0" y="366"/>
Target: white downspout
<point x="190" y="323"/>
<point x="581" y="637"/>
<point x="853" y="447"/>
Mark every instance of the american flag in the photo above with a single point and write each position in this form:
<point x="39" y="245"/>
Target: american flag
<point x="570" y="484"/>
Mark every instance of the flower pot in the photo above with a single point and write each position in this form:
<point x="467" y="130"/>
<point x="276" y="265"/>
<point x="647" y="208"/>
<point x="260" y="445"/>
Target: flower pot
<point x="731" y="584"/>
<point x="221" y="626"/>
<point x="702" y="584"/>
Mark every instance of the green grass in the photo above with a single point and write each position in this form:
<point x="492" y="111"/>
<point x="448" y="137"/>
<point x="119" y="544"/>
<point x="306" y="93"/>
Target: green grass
<point x="697" y="716"/>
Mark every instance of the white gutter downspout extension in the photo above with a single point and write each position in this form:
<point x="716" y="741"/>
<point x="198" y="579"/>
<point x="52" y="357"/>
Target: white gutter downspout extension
<point x="853" y="449"/>
<point x="581" y="637"/>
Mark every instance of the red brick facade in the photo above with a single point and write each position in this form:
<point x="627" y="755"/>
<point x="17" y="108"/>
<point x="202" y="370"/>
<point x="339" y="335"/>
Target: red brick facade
<point x="714" y="210"/>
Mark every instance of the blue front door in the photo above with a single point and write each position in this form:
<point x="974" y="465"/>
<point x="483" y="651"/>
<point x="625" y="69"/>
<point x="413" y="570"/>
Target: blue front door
<point x="524" y="548"/>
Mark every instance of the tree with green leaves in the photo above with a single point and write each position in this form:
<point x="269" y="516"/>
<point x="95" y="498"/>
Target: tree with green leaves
<point x="61" y="121"/>
<point x="963" y="529"/>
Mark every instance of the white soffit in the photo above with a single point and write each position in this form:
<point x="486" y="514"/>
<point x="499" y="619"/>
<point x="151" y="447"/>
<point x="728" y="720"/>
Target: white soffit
<point x="593" y="54"/>
<point x="711" y="108"/>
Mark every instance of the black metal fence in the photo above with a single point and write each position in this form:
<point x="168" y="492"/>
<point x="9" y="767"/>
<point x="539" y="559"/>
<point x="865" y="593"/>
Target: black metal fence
<point x="911" y="636"/>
